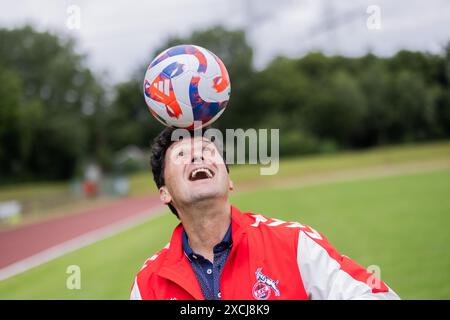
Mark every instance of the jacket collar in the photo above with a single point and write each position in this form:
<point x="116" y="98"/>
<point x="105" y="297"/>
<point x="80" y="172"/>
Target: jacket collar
<point x="176" y="267"/>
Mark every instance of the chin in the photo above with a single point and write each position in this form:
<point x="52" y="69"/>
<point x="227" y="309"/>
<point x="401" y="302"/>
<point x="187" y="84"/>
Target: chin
<point x="208" y="194"/>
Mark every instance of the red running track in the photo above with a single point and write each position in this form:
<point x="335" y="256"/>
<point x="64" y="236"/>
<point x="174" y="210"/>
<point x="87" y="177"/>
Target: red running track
<point x="22" y="242"/>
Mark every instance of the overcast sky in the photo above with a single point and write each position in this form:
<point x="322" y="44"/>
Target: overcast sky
<point x="118" y="36"/>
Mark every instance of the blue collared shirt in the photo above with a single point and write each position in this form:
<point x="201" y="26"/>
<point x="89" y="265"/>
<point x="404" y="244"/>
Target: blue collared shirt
<point x="208" y="274"/>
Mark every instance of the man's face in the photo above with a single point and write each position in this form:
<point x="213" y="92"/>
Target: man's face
<point x="194" y="171"/>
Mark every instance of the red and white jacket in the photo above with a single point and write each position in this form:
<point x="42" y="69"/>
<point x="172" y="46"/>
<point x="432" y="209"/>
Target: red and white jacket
<point x="269" y="259"/>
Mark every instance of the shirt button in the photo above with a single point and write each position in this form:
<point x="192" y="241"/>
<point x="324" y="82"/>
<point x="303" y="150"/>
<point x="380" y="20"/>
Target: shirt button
<point x="194" y="256"/>
<point x="218" y="295"/>
<point x="209" y="271"/>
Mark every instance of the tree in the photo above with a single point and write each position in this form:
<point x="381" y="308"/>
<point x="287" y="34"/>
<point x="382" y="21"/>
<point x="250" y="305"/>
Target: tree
<point x="337" y="110"/>
<point x="54" y="96"/>
<point x="10" y="117"/>
<point x="443" y="100"/>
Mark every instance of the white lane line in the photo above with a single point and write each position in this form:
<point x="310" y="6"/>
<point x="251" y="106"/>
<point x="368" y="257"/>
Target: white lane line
<point x="79" y="242"/>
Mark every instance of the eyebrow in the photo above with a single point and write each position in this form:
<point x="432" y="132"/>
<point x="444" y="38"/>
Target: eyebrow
<point x="175" y="146"/>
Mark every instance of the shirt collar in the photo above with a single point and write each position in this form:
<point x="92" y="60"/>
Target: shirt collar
<point x="221" y="246"/>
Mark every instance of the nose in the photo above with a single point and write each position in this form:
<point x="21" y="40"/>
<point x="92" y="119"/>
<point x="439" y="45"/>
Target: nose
<point x="196" y="158"/>
<point x="197" y="153"/>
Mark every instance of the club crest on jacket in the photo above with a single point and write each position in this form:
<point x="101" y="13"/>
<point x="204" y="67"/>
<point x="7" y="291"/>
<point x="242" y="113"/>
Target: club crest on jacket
<point x="264" y="286"/>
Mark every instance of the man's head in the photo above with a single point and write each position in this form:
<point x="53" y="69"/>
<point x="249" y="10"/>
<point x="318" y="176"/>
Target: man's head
<point x="188" y="170"/>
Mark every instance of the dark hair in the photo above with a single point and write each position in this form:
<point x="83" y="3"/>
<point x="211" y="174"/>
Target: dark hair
<point x="158" y="155"/>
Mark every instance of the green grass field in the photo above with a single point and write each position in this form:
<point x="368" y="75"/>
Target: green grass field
<point x="398" y="223"/>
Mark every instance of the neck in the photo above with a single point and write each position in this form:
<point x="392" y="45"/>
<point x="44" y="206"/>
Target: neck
<point x="205" y="225"/>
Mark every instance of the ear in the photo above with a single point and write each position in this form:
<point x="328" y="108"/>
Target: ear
<point x="164" y="195"/>
<point x="230" y="185"/>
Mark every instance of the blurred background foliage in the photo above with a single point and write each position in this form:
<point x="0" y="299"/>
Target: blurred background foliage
<point x="56" y="115"/>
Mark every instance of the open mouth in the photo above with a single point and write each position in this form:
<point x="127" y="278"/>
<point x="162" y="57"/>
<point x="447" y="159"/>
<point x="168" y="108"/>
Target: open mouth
<point x="201" y="174"/>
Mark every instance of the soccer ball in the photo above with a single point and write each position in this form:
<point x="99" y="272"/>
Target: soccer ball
<point x="186" y="83"/>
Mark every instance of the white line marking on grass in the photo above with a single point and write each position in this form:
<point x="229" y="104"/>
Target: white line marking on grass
<point x="79" y="242"/>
